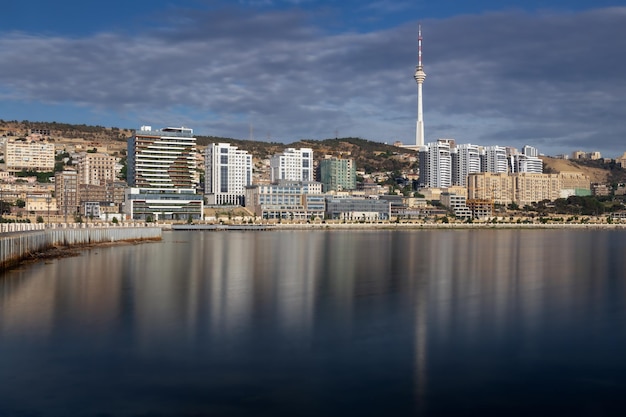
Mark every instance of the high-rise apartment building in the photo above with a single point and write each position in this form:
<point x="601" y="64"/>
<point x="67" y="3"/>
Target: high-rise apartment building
<point x="66" y="193"/>
<point x="337" y="174"/>
<point x="435" y="165"/>
<point x="28" y="154"/>
<point x="228" y="171"/>
<point x="162" y="159"/>
<point x="96" y="168"/>
<point x="162" y="175"/>
<point x="524" y="163"/>
<point x="494" y="159"/>
<point x="292" y="165"/>
<point x="530" y="151"/>
<point x="465" y="160"/>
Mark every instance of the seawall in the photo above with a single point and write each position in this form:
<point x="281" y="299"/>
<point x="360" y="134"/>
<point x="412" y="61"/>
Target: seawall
<point x="19" y="245"/>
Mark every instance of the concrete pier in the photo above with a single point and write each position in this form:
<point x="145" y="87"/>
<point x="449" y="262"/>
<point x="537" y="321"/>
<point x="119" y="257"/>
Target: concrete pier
<point x="18" y="245"/>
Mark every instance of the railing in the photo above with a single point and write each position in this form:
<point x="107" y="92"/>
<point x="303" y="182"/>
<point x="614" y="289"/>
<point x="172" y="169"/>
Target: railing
<point x="28" y="227"/>
<point x="19" y="245"/>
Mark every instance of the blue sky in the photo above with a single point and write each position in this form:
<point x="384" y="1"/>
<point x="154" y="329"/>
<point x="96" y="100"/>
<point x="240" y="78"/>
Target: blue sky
<point x="545" y="73"/>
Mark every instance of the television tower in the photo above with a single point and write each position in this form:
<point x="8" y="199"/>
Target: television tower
<point x="420" y="76"/>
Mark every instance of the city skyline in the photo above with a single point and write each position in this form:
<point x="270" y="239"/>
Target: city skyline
<point x="546" y="75"/>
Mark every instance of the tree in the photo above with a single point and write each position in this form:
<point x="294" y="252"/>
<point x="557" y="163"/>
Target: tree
<point x="20" y="203"/>
<point x="39" y="219"/>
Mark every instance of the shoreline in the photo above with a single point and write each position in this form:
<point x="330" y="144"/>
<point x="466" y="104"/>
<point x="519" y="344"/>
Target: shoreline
<point x="423" y="226"/>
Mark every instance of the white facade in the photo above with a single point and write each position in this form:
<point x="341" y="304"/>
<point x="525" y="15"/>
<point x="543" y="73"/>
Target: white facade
<point x="467" y="161"/>
<point x="523" y="163"/>
<point x="228" y="171"/>
<point x="495" y="159"/>
<point x="286" y="200"/>
<point x="292" y="165"/>
<point x="436" y="165"/>
<point x="530" y="151"/>
<point x="419" y="76"/>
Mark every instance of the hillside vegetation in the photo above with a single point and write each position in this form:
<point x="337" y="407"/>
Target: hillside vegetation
<point x="598" y="171"/>
<point x="368" y="155"/>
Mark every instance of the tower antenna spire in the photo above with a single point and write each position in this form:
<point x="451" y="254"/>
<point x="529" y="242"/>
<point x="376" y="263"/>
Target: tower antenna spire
<point x="419" y="46"/>
<point x="419" y="76"/>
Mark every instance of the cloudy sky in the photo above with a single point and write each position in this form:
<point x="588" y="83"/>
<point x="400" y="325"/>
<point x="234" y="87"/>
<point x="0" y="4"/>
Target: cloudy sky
<point x="546" y="73"/>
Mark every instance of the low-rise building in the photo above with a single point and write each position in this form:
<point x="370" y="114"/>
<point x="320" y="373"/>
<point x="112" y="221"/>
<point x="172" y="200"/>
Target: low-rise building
<point x="456" y="203"/>
<point x="289" y="200"/>
<point x="358" y="209"/>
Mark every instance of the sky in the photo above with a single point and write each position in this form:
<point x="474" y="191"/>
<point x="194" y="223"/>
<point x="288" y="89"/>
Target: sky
<point x="550" y="74"/>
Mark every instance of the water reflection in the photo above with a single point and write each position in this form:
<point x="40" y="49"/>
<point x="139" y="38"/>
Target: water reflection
<point x="419" y="316"/>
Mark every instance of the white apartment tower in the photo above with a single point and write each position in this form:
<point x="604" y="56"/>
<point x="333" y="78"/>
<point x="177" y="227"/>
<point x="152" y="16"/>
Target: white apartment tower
<point x="435" y="165"/>
<point x="419" y="76"/>
<point x="530" y="151"/>
<point x="292" y="165"/>
<point x="523" y="163"/>
<point x="228" y="171"/>
<point x="495" y="159"/>
<point x="465" y="160"/>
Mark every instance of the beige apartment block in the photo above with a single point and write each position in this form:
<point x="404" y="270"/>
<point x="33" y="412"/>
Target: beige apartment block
<point x="66" y="192"/>
<point x="96" y="168"/>
<point x="530" y="188"/>
<point x="522" y="188"/>
<point x="26" y="154"/>
<point x="41" y="203"/>
<point x="575" y="180"/>
<point x="496" y="187"/>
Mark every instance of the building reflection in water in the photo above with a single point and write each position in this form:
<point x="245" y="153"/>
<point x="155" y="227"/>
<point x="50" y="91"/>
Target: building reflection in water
<point x="431" y="290"/>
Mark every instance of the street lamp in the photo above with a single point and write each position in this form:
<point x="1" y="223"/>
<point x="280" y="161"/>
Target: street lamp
<point x="48" y="199"/>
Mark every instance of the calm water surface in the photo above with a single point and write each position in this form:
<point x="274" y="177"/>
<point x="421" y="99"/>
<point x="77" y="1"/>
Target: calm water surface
<point x="319" y="323"/>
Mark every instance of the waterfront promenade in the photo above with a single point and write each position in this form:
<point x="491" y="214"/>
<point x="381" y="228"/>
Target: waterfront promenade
<point x="19" y="241"/>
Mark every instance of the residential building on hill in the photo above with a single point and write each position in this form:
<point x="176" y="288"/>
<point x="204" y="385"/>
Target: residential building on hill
<point x="292" y="165"/>
<point x="465" y="160"/>
<point x="494" y="159"/>
<point x="435" y="165"/>
<point x="96" y="168"/>
<point x="66" y="193"/>
<point x="27" y="154"/>
<point x="337" y="174"/>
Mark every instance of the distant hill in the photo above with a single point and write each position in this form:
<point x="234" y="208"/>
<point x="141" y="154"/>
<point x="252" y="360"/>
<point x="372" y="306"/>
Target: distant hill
<point x="368" y="155"/>
<point x="64" y="130"/>
<point x="597" y="170"/>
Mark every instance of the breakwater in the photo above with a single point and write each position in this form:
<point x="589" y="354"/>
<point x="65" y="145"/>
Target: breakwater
<point x="19" y="245"/>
